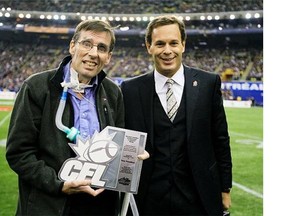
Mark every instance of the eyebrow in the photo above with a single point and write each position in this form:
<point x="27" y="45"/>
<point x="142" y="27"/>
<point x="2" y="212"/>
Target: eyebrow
<point x="91" y="40"/>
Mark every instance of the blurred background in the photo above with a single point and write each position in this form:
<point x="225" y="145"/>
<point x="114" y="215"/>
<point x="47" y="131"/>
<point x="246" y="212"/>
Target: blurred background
<point x="224" y="37"/>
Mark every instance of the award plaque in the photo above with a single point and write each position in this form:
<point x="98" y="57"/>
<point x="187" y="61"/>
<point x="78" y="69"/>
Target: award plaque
<point x="108" y="159"/>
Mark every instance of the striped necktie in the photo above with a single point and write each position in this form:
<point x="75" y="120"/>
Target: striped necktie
<point x="172" y="106"/>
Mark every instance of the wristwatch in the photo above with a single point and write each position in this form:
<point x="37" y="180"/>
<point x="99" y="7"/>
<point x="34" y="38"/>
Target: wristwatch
<point x="226" y="190"/>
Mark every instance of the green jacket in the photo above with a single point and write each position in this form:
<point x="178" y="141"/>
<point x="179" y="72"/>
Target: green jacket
<point x="36" y="148"/>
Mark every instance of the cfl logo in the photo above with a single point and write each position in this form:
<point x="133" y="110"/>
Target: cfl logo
<point x="93" y="157"/>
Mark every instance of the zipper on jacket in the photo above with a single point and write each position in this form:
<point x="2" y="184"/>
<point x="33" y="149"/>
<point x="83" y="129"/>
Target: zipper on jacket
<point x="106" y="115"/>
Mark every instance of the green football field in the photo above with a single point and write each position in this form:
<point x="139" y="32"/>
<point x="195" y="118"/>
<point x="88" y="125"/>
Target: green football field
<point x="246" y="132"/>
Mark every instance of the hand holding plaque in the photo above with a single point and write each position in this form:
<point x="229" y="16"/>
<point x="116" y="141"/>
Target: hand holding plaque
<point x="108" y="159"/>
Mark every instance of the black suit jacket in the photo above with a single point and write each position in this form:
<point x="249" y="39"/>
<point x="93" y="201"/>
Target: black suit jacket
<point x="207" y="132"/>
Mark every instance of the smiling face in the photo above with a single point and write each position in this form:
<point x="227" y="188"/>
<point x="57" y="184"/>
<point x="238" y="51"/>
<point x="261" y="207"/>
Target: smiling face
<point x="166" y="49"/>
<point x="88" y="63"/>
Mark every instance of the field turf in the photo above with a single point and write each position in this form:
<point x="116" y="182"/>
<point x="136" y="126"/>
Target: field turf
<point x="246" y="133"/>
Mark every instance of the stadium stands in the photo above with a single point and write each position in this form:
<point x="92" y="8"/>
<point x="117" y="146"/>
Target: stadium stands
<point x="232" y="48"/>
<point x="135" y="6"/>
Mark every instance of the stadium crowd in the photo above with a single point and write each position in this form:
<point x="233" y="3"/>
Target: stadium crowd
<point x="137" y="6"/>
<point x="21" y="60"/>
<point x="148" y="7"/>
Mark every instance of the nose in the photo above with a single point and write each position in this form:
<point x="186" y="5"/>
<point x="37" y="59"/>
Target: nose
<point x="94" y="51"/>
<point x="167" y="49"/>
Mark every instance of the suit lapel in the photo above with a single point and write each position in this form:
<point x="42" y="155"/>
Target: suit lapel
<point x="146" y="93"/>
<point x="192" y="85"/>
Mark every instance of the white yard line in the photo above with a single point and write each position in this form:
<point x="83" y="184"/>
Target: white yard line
<point x="3" y="142"/>
<point x="4" y="119"/>
<point x="248" y="190"/>
<point x="235" y="184"/>
<point x="242" y="187"/>
<point x="245" y="135"/>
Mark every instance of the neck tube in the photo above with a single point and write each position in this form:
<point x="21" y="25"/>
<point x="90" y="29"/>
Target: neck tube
<point x="71" y="132"/>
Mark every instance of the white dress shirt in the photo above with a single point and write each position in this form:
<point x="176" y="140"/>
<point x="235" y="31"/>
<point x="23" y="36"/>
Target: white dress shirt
<point x="161" y="86"/>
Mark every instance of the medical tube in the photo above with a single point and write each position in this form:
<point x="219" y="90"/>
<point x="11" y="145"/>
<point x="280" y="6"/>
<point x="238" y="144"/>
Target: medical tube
<point x="71" y="133"/>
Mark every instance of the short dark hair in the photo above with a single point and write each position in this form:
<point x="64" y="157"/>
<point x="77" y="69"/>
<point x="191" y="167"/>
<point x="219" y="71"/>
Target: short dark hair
<point x="97" y="26"/>
<point x="165" y="20"/>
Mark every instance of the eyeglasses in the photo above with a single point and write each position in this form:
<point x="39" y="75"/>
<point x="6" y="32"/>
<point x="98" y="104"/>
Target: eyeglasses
<point x="87" y="45"/>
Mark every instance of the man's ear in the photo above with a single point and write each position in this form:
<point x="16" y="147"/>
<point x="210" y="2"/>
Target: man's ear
<point x="183" y="43"/>
<point x="109" y="58"/>
<point x="148" y="46"/>
<point x="72" y="47"/>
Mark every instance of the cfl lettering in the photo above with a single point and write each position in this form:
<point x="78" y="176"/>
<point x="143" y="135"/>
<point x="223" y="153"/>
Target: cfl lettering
<point x="80" y="170"/>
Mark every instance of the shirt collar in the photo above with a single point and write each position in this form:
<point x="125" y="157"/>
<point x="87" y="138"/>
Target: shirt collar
<point x="160" y="80"/>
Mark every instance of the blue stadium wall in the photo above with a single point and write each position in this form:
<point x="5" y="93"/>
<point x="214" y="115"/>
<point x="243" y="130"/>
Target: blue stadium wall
<point x="246" y="90"/>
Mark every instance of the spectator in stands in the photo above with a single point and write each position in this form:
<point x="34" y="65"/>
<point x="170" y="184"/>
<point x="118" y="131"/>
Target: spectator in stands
<point x="190" y="169"/>
<point x="36" y="148"/>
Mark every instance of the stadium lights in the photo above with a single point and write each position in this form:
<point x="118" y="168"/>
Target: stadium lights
<point x="28" y="16"/>
<point x="126" y="28"/>
<point x="56" y="17"/>
<point x="19" y="26"/>
<point x="256" y="15"/>
<point x="209" y="17"/>
<point x="131" y="17"/>
<point x="187" y="18"/>
<point x="248" y="16"/>
<point x="6" y="9"/>
<point x="232" y="16"/>
<point x="7" y="14"/>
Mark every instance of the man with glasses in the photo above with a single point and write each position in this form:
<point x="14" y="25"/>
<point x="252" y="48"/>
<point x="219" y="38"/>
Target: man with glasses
<point x="36" y="148"/>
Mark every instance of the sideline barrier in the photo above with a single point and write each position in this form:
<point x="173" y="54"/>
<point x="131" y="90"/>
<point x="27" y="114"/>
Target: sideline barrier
<point x="7" y="100"/>
<point x="246" y="90"/>
<point x="7" y="95"/>
<point x="238" y="104"/>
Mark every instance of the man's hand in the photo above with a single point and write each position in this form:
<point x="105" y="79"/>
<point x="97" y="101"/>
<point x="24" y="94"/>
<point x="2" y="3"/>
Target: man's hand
<point x="80" y="186"/>
<point x="226" y="200"/>
<point x="143" y="156"/>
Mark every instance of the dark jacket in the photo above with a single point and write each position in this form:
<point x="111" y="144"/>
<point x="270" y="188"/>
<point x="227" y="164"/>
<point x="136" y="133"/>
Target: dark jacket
<point x="36" y="148"/>
<point x="206" y="128"/>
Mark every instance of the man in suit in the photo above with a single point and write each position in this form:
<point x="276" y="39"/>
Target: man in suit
<point x="189" y="171"/>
